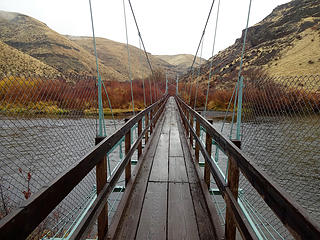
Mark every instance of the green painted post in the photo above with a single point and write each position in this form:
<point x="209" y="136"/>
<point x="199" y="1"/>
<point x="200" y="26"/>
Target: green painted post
<point x="177" y="86"/>
<point x="166" y="83"/>
<point x="100" y="107"/>
<point x="101" y="117"/>
<point x="238" y="133"/>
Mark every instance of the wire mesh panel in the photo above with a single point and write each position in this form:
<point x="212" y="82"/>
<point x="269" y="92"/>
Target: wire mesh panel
<point x="280" y="133"/>
<point x="281" y="129"/>
<point x="46" y="126"/>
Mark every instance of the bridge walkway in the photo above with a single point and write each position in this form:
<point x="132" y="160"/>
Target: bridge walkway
<point x="167" y="200"/>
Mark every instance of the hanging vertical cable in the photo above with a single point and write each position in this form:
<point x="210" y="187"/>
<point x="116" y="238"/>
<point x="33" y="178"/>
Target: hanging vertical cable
<point x="240" y="78"/>
<point x="101" y="116"/>
<point x="211" y="63"/>
<point x="197" y="80"/>
<point x="128" y="51"/>
<point x="144" y="92"/>
<point x="202" y="35"/>
<point x="240" y="83"/>
<point x="144" y="48"/>
<point x="190" y="87"/>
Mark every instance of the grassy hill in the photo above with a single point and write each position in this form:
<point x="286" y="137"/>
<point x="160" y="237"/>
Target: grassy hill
<point x="68" y="54"/>
<point x="182" y="62"/>
<point x="34" y="38"/>
<point x="114" y="55"/>
<point x="15" y="62"/>
<point x="286" y="43"/>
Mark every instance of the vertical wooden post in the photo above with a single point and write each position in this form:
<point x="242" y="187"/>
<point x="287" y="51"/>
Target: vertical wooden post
<point x="197" y="144"/>
<point x="191" y="136"/>
<point x="186" y="121"/>
<point x="233" y="183"/>
<point x="151" y="117"/>
<point x="146" y="122"/>
<point x="187" y="126"/>
<point x="156" y="116"/>
<point x="127" y="149"/>
<point x="101" y="180"/>
<point x="206" y="165"/>
<point x="139" y="133"/>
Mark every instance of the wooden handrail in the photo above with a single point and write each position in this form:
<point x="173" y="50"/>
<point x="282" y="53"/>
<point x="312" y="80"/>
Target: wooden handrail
<point x="97" y="206"/>
<point x="22" y="221"/>
<point x="243" y="224"/>
<point x="293" y="216"/>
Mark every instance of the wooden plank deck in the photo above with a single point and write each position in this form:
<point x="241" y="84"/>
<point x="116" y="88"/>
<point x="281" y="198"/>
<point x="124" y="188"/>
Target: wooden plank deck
<point x="166" y="201"/>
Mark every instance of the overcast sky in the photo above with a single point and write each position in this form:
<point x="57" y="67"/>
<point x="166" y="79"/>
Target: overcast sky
<point x="167" y="26"/>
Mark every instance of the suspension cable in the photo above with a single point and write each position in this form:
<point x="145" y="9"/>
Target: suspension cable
<point x="197" y="80"/>
<point x="239" y="74"/>
<point x="190" y="87"/>
<point x="244" y="40"/>
<point x="144" y="91"/>
<point x="128" y="51"/>
<point x="202" y="35"/>
<point x="203" y="32"/>
<point x="144" y="48"/>
<point x="240" y="79"/>
<point x="109" y="102"/>
<point x="139" y="33"/>
<point x="211" y="63"/>
<point x="101" y="117"/>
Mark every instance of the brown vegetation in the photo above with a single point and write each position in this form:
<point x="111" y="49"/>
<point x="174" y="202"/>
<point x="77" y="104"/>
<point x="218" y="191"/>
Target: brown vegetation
<point x="59" y="96"/>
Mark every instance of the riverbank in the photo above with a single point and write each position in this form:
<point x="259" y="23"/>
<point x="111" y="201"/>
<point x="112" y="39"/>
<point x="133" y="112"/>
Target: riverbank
<point x="49" y="108"/>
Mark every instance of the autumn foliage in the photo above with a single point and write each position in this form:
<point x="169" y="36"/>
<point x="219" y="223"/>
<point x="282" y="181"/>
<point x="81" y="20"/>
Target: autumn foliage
<point x="60" y="96"/>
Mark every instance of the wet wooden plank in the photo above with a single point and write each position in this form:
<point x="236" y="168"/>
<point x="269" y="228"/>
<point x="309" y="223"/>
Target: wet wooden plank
<point x="182" y="223"/>
<point x="154" y="213"/>
<point x="124" y="226"/>
<point x="206" y="230"/>
<point x="192" y="176"/>
<point x="159" y="170"/>
<point x="206" y="214"/>
<point x="177" y="170"/>
<point x="175" y="144"/>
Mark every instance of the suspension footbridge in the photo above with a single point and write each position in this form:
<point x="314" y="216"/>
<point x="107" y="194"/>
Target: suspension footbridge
<point x="168" y="172"/>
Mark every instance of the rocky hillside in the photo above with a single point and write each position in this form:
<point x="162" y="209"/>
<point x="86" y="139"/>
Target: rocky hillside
<point x="182" y="62"/>
<point x="286" y="42"/>
<point x="29" y="46"/>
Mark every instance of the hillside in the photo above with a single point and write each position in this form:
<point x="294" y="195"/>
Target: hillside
<point x="67" y="54"/>
<point x="34" y="38"/>
<point x="286" y="43"/>
<point x="182" y="62"/>
<point x="114" y="55"/>
<point x="14" y="62"/>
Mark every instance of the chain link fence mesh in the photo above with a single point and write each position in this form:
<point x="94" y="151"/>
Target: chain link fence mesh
<point x="46" y="126"/>
<point x="281" y="134"/>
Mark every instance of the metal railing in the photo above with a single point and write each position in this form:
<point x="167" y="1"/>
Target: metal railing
<point x="22" y="221"/>
<point x="293" y="216"/>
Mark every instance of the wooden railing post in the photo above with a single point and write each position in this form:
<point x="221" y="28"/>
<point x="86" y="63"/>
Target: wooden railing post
<point x="101" y="180"/>
<point x="187" y="127"/>
<point x="139" y="133"/>
<point x="233" y="183"/>
<point x="197" y="144"/>
<point x="146" y="122"/>
<point x="151" y="117"/>
<point x="183" y="112"/>
<point x="127" y="149"/>
<point x="191" y="136"/>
